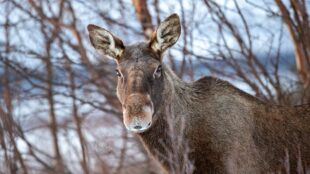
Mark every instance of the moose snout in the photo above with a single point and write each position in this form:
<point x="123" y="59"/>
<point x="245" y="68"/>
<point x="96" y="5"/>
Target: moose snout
<point x="138" y="127"/>
<point x="137" y="113"/>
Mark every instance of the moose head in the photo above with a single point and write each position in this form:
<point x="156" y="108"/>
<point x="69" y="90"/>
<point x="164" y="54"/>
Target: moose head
<point x="139" y="69"/>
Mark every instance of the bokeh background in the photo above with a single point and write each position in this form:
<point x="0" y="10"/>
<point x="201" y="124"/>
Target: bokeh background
<point x="58" y="108"/>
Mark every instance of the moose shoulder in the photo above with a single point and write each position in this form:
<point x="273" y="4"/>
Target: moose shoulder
<point x="227" y="130"/>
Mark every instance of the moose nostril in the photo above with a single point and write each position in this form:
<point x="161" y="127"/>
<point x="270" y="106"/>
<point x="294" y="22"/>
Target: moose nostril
<point x="149" y="124"/>
<point x="137" y="127"/>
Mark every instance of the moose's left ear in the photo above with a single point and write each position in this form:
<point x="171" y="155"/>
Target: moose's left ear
<point x="105" y="42"/>
<point x="166" y="34"/>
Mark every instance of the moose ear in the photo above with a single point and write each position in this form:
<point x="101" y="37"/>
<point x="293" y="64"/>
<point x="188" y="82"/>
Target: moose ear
<point x="104" y="42"/>
<point x="166" y="34"/>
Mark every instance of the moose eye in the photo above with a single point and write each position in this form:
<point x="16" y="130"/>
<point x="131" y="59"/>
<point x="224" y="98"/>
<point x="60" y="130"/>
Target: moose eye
<point x="157" y="72"/>
<point x="118" y="73"/>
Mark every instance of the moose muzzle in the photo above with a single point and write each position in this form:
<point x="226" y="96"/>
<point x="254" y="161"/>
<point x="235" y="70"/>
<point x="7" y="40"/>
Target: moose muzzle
<point x="137" y="112"/>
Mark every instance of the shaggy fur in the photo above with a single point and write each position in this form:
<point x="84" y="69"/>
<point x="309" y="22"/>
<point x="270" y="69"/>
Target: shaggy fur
<point x="228" y="130"/>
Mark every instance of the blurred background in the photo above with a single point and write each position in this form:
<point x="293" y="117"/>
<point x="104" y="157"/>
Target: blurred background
<point x="58" y="108"/>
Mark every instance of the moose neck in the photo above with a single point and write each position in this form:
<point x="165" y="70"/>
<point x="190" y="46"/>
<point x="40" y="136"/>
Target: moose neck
<point x="157" y="139"/>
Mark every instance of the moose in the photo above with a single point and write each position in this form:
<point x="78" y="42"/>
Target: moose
<point x="227" y="130"/>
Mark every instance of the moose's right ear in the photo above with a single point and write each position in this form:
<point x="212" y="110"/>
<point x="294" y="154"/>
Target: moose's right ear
<point x="104" y="42"/>
<point x="167" y="34"/>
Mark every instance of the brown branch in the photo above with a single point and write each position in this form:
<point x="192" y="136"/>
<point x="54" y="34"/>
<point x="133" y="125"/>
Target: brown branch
<point x="75" y="115"/>
<point x="299" y="29"/>
<point x="144" y="17"/>
<point x="59" y="165"/>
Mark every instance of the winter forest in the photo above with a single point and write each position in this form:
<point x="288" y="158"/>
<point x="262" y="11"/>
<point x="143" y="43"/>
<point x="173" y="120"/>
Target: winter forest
<point x="58" y="107"/>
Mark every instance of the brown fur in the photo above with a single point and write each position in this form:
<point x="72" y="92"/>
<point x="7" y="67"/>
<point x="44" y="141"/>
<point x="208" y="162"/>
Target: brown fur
<point x="227" y="130"/>
<point x="230" y="131"/>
